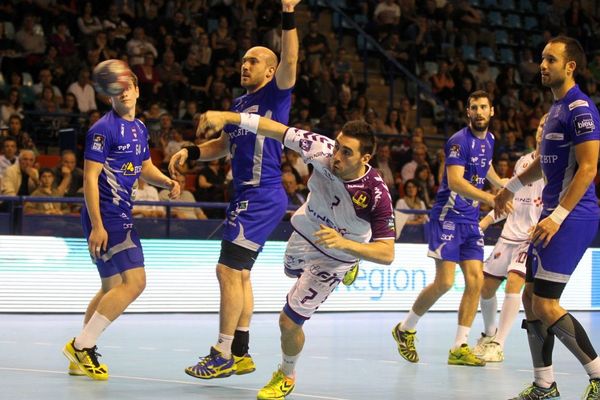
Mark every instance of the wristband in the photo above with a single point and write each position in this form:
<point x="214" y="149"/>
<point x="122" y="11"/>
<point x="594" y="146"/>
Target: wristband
<point x="249" y="122"/>
<point x="193" y="152"/>
<point x="288" y="21"/>
<point x="559" y="214"/>
<point x="514" y="184"/>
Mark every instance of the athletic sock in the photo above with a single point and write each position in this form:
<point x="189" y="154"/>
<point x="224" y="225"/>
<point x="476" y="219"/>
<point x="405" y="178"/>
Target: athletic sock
<point x="489" y="309"/>
<point x="91" y="331"/>
<point x="510" y="310"/>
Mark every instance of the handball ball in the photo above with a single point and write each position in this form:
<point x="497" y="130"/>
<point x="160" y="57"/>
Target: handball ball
<point x="111" y="77"/>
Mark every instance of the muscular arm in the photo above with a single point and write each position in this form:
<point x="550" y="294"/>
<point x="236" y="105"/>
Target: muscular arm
<point x="458" y="184"/>
<point x="217" y="119"/>
<point x="586" y="154"/>
<point x="494" y="179"/>
<point x="152" y="175"/>
<point x="285" y="76"/>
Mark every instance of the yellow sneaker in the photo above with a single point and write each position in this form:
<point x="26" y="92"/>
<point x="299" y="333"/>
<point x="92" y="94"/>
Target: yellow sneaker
<point x="74" y="370"/>
<point x="244" y="364"/>
<point x="464" y="356"/>
<point x="86" y="360"/>
<point x="280" y="386"/>
<point x="350" y="275"/>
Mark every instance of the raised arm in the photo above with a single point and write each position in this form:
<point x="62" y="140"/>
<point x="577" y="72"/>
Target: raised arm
<point x="285" y="76"/>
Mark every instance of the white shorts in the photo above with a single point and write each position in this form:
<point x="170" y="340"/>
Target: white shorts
<point x="506" y="257"/>
<point x="318" y="276"/>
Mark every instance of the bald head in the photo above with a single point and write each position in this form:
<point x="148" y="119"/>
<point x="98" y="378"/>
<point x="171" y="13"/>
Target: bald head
<point x="265" y="53"/>
<point x="258" y="68"/>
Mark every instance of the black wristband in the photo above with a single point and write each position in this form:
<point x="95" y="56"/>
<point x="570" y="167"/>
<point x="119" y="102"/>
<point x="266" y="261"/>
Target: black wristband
<point x="288" y="21"/>
<point x="193" y="152"/>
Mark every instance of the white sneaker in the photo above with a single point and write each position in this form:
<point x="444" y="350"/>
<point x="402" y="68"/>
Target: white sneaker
<point x="479" y="348"/>
<point x="493" y="353"/>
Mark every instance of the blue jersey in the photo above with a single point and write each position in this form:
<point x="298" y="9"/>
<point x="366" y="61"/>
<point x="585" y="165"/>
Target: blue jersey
<point x="255" y="159"/>
<point x="475" y="154"/>
<point x="121" y="146"/>
<point x="571" y="120"/>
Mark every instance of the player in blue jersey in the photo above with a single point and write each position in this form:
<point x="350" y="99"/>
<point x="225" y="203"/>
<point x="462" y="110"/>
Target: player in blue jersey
<point x="454" y="234"/>
<point x="259" y="202"/>
<point x="116" y="154"/>
<point x="569" y="220"/>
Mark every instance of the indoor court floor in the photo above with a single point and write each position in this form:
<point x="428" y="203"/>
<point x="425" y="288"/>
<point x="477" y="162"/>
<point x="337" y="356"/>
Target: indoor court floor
<point x="347" y="356"/>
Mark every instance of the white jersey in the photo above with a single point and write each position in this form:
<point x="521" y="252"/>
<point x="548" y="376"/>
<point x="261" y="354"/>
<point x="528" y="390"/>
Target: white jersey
<point x="360" y="210"/>
<point x="527" y="205"/>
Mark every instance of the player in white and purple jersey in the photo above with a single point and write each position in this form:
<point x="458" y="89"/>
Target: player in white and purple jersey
<point x="507" y="260"/>
<point x="116" y="154"/>
<point x="259" y="202"/>
<point x="454" y="233"/>
<point x="348" y="216"/>
<point x="569" y="221"/>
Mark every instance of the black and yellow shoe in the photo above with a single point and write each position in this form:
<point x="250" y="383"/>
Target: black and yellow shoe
<point x="406" y="343"/>
<point x="350" y="275"/>
<point x="86" y="360"/>
<point x="280" y="386"/>
<point x="534" y="392"/>
<point x="592" y="392"/>
<point x="244" y="364"/>
<point x="464" y="356"/>
<point x="74" y="370"/>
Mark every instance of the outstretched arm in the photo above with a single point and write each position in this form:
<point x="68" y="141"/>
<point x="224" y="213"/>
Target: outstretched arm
<point x="285" y="76"/>
<point x="252" y="122"/>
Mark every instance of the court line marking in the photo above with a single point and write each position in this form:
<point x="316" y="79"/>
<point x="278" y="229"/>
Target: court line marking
<point x="141" y="378"/>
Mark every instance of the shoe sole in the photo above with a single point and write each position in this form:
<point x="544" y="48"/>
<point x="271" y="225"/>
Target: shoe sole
<point x="71" y="358"/>
<point x="190" y="373"/>
<point x="399" y="352"/>
<point x="277" y="398"/>
<point x="465" y="364"/>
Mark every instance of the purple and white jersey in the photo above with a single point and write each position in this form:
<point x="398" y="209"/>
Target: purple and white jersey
<point x="121" y="146"/>
<point x="361" y="210"/>
<point x="255" y="159"/>
<point x="475" y="154"/>
<point x="571" y="120"/>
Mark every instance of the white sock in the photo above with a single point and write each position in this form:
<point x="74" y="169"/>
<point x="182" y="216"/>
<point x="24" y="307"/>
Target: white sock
<point x="462" y="335"/>
<point x="243" y="328"/>
<point x="410" y="321"/>
<point x="489" y="308"/>
<point x="288" y="364"/>
<point x="510" y="310"/>
<point x="91" y="331"/>
<point x="543" y="377"/>
<point x="593" y="368"/>
<point x="224" y="344"/>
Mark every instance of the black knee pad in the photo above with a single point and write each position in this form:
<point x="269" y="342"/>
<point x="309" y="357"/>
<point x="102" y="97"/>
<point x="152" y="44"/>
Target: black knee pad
<point x="237" y="257"/>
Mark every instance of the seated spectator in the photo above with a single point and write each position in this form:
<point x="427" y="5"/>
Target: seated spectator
<point x="392" y="123"/>
<point x="425" y="182"/>
<point x="117" y="25"/>
<point x="46" y="189"/>
<point x="46" y="77"/>
<point x="510" y="147"/>
<point x="21" y="179"/>
<point x="175" y="144"/>
<point x="88" y="24"/>
<point x="503" y="168"/>
<point x="47" y="102"/>
<point x="314" y="43"/>
<point x="418" y="158"/>
<point x="69" y="177"/>
<point x="26" y="92"/>
<point x="384" y="165"/>
<point x="138" y="46"/>
<point x="83" y="91"/>
<point x="296" y="197"/>
<point x="211" y="186"/>
<point x="186" y="197"/>
<point x="408" y="116"/>
<point x="64" y="43"/>
<point x="146" y="192"/>
<point x="15" y="129"/>
<point x="31" y="40"/>
<point x="12" y="106"/>
<point x="331" y="122"/>
<point x="410" y="201"/>
<point x="387" y="15"/>
<point x="9" y="154"/>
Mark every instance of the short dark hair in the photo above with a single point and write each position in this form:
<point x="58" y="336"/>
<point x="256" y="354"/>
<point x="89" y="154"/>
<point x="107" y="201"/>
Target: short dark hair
<point x="573" y="51"/>
<point x="479" y="94"/>
<point x="46" y="169"/>
<point x="362" y="131"/>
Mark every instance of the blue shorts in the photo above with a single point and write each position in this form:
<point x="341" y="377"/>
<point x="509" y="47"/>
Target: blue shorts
<point x="557" y="261"/>
<point x="124" y="250"/>
<point x="253" y="214"/>
<point x="450" y="241"/>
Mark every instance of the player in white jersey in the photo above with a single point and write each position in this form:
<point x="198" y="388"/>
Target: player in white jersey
<point x="507" y="261"/>
<point x="348" y="216"/>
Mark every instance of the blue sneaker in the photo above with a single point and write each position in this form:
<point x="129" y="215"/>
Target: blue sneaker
<point x="534" y="392"/>
<point x="212" y="366"/>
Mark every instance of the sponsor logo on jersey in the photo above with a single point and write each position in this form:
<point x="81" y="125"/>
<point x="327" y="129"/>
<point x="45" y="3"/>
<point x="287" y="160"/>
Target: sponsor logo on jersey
<point x="474" y="160"/>
<point x="454" y="151"/>
<point x="476" y="180"/>
<point x="447" y="237"/>
<point x="538" y="202"/>
<point x="548" y="159"/>
<point x="554" y="136"/>
<point x="578" y="103"/>
<point x="251" y="109"/>
<point x="124" y="147"/>
<point x="130" y="170"/>
<point x="98" y="142"/>
<point x="361" y="199"/>
<point x="305" y="145"/>
<point x="448" y="226"/>
<point x="324" y="276"/>
<point x="584" y="123"/>
<point x="391" y="224"/>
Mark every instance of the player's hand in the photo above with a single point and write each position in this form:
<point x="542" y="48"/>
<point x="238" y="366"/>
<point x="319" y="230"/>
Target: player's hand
<point x="177" y="160"/>
<point x="174" y="188"/>
<point x="211" y="120"/>
<point x="503" y="202"/>
<point x="329" y="238"/>
<point x="544" y="231"/>
<point x="97" y="241"/>
<point x="288" y="5"/>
